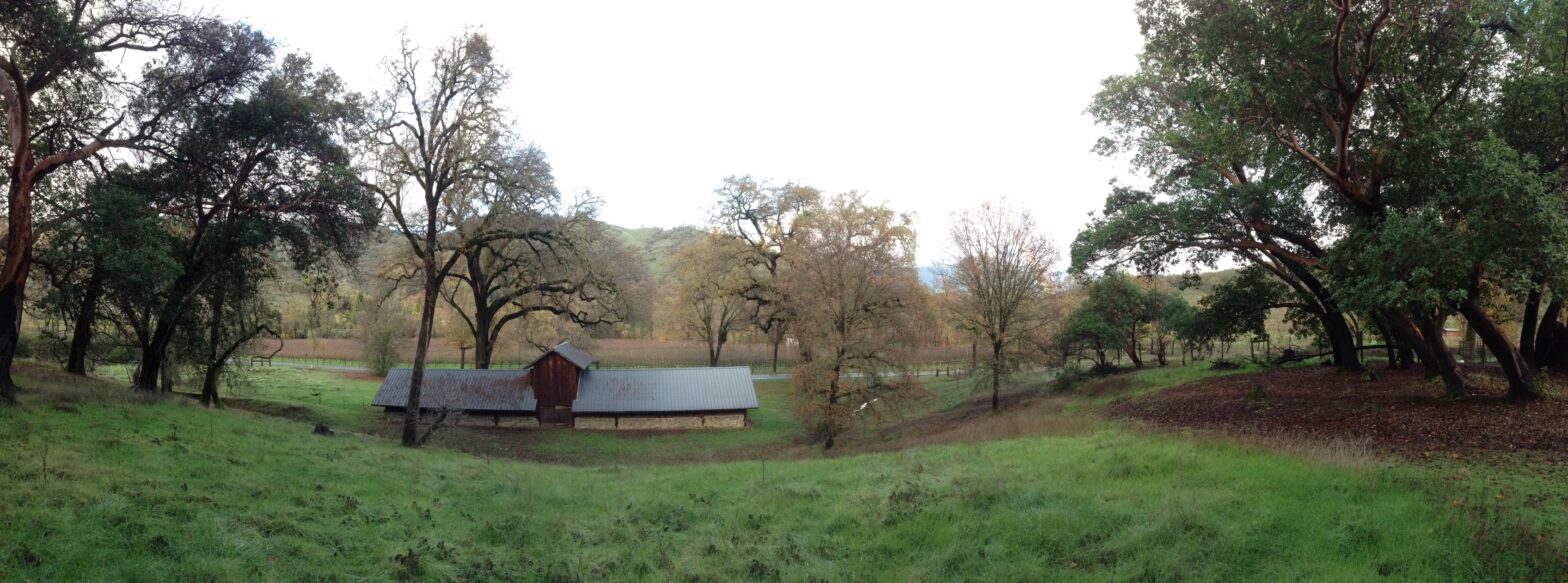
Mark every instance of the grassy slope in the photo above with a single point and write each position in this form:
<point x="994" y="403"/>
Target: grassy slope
<point x="126" y="491"/>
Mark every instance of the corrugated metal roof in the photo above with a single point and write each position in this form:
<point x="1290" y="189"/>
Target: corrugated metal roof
<point x="665" y="390"/>
<point x="573" y="354"/>
<point x="484" y="390"/>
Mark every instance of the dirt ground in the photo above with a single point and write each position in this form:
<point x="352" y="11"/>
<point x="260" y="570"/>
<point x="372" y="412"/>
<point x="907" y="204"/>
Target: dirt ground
<point x="1400" y="411"/>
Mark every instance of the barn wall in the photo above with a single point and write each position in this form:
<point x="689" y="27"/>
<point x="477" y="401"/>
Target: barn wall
<point x="554" y="380"/>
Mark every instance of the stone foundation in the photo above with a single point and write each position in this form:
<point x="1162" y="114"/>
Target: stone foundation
<point x="732" y="421"/>
<point x="636" y="423"/>
<point x="519" y="421"/>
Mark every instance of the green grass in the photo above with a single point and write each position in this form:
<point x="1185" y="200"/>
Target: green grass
<point x="335" y="398"/>
<point x="101" y="487"/>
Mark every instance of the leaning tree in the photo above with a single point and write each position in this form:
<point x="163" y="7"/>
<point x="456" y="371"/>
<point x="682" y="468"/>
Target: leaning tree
<point x="1219" y="192"/>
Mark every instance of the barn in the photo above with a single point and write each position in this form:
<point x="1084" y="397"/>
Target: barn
<point x="561" y="388"/>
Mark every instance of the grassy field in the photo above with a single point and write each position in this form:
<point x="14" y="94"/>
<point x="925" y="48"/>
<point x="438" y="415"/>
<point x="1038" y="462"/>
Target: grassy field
<point x="102" y="486"/>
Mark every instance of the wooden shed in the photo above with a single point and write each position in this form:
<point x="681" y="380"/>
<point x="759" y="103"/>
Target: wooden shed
<point x="553" y="377"/>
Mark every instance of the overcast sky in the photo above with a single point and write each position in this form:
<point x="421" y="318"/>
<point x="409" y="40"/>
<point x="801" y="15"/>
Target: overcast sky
<point x="929" y="107"/>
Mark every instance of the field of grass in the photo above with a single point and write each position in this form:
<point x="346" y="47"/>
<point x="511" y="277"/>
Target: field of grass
<point x="103" y="486"/>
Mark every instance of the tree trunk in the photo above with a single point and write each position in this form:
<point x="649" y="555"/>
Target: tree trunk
<point x="155" y="352"/>
<point x="1521" y="378"/>
<point x="18" y="258"/>
<point x="483" y="349"/>
<point x="10" y="333"/>
<point x="997" y="369"/>
<point x="776" y="341"/>
<point x="209" y="385"/>
<point x="1412" y="340"/>
<point x="86" y="318"/>
<point x="155" y="355"/>
<point x="427" y="316"/>
<point x="1341" y="340"/>
<point x="1435" y="358"/>
<point x="1132" y="353"/>
<point x="148" y="370"/>
<point x="1437" y="351"/>
<point x="1527" y="327"/>
<point x="718" y="347"/>
<point x="1549" y="336"/>
<point x="166" y="375"/>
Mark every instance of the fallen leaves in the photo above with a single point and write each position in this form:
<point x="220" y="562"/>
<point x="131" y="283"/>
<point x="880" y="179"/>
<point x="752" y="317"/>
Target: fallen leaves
<point x="1401" y="412"/>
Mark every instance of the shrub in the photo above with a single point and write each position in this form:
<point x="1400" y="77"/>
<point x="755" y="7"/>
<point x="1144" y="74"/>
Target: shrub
<point x="1223" y="364"/>
<point x="382" y="330"/>
<point x="24" y="346"/>
<point x="1104" y="369"/>
<point x="1068" y="378"/>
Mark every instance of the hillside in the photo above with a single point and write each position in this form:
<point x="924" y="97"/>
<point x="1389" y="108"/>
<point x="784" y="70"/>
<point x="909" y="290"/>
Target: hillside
<point x="103" y="487"/>
<point x="654" y="244"/>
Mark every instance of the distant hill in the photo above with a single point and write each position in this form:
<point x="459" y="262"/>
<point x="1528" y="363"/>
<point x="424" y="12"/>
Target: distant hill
<point x="656" y="244"/>
<point x="1205" y="285"/>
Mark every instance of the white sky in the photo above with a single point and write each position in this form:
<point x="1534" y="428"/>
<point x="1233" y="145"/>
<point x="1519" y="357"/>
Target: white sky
<point x="929" y="107"/>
